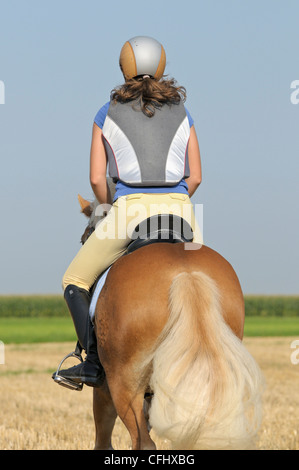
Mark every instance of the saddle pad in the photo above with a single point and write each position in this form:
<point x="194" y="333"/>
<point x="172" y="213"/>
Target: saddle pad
<point x="96" y="293"/>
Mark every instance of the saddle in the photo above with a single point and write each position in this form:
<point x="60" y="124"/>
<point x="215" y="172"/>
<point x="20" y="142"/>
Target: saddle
<point x="160" y="228"/>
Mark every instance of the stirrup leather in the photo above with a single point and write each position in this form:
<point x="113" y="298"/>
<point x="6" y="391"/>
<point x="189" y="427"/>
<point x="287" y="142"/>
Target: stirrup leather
<point x="67" y="382"/>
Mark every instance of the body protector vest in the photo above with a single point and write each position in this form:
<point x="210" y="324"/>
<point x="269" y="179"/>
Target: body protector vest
<point x="145" y="151"/>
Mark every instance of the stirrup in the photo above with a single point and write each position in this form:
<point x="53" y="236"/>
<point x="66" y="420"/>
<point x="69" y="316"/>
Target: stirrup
<point x="67" y="382"/>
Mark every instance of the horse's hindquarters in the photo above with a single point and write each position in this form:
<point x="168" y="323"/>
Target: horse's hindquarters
<point x="173" y="318"/>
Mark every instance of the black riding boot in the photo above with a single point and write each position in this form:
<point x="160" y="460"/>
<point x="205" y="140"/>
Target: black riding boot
<point x="89" y="372"/>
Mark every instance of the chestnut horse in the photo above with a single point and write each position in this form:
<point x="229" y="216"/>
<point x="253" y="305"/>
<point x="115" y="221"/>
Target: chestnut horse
<point x="169" y="321"/>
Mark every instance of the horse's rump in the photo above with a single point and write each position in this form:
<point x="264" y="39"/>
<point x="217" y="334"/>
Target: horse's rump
<point x="173" y="319"/>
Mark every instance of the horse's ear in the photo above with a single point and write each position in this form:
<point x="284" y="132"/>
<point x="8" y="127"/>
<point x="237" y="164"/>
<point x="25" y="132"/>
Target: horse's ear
<point x="86" y="208"/>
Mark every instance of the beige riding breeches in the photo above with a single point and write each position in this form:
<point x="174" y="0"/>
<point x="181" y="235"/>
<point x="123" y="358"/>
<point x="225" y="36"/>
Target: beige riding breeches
<point x="113" y="233"/>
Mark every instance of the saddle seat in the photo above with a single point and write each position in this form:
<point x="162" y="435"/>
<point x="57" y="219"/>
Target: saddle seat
<point x="160" y="228"/>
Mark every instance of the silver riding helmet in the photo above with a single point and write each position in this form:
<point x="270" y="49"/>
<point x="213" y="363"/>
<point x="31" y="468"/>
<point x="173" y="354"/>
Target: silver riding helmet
<point x="142" y="55"/>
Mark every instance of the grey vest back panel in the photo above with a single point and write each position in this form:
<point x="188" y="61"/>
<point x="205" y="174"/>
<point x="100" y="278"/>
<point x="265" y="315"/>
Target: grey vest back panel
<point x="145" y="151"/>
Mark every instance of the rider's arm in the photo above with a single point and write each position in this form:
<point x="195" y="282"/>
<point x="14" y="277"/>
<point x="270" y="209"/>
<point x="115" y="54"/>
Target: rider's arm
<point x="98" y="167"/>
<point x="194" y="179"/>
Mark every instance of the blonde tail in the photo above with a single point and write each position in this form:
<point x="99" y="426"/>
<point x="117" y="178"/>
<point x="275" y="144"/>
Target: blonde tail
<point x="207" y="387"/>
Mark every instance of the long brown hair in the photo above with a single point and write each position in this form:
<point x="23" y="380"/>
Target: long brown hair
<point x="150" y="93"/>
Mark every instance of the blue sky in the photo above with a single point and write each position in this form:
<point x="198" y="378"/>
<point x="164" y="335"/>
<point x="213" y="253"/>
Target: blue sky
<point x="237" y="59"/>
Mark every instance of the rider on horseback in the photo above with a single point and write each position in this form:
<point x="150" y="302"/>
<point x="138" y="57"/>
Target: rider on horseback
<point x="147" y="138"/>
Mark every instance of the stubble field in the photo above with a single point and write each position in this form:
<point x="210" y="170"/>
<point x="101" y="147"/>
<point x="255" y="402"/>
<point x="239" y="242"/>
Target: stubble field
<point x="37" y="414"/>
